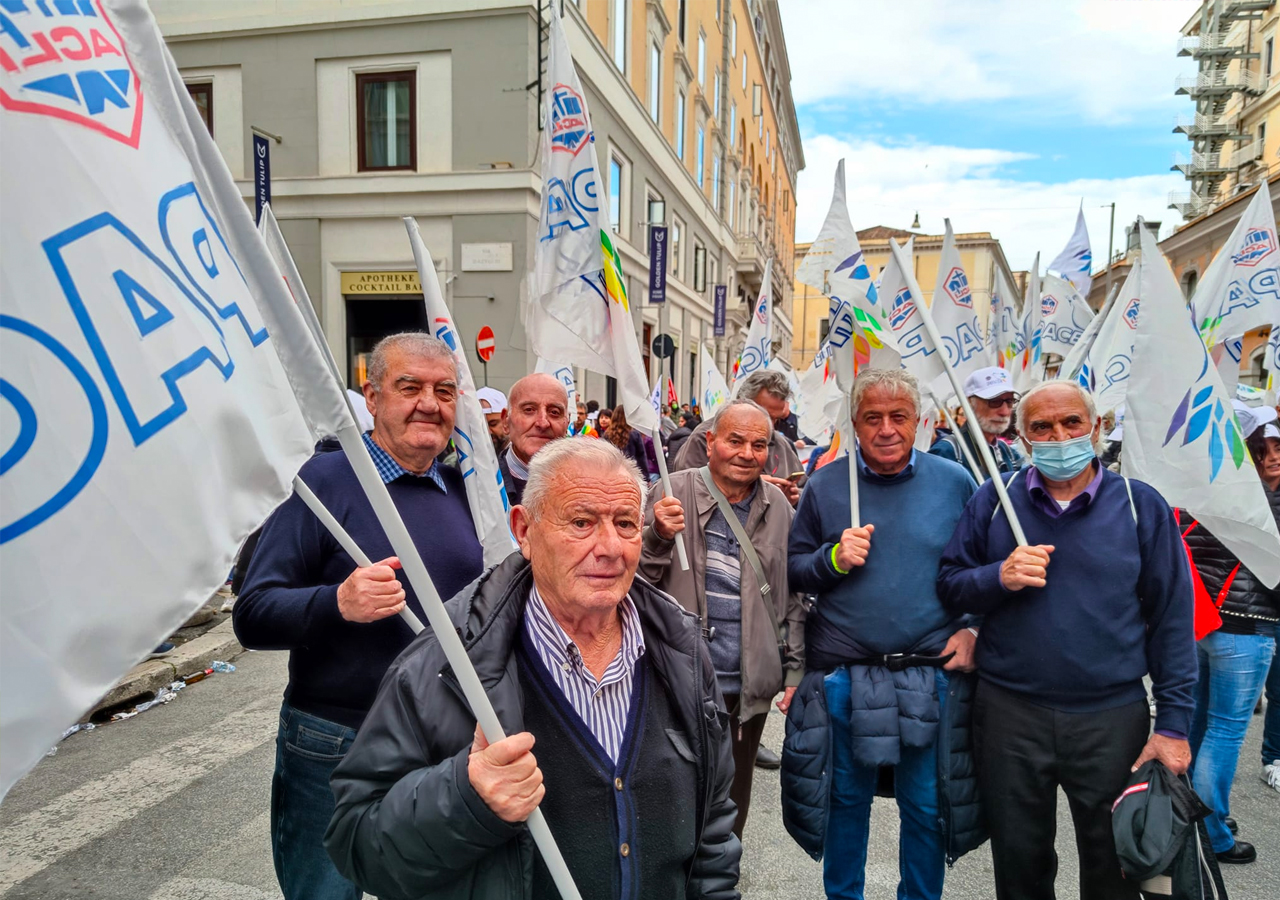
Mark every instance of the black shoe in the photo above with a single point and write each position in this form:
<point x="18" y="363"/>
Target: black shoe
<point x="1239" y="854"/>
<point x="767" y="759"/>
<point x="1231" y="825"/>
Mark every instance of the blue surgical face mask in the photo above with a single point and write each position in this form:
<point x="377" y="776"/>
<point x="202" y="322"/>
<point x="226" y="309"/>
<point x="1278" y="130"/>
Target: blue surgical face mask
<point x="1062" y="460"/>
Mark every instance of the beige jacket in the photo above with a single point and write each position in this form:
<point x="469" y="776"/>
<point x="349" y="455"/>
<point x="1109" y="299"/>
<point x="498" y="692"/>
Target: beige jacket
<point x="768" y="526"/>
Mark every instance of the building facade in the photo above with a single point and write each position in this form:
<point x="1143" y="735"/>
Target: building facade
<point x="392" y="108"/>
<point x="980" y="255"/>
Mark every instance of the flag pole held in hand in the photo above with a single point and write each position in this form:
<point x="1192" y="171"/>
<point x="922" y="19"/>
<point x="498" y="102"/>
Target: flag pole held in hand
<point x="975" y="430"/>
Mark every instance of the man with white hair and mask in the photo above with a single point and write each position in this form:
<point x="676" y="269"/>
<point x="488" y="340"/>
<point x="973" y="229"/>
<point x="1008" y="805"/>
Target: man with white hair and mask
<point x="992" y="398"/>
<point x="1071" y="624"/>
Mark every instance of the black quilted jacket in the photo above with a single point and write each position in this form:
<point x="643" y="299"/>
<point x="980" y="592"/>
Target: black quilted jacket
<point x="1247" y="600"/>
<point x="806" y="768"/>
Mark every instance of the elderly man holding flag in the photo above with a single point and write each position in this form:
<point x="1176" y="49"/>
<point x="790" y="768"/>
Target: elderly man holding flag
<point x="1099" y="597"/>
<point x="880" y="649"/>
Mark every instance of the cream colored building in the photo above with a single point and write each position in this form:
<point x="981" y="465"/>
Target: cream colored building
<point x="980" y="255"/>
<point x="391" y="108"/>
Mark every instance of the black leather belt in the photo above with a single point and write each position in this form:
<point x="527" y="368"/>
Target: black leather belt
<point x="897" y="662"/>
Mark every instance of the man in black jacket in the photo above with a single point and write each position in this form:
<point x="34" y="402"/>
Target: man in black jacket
<point x="608" y="675"/>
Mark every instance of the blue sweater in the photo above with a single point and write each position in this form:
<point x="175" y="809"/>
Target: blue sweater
<point x="889" y="605"/>
<point x="1116" y="604"/>
<point x="290" y="596"/>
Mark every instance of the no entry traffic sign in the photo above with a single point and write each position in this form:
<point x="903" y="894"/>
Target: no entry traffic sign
<point x="485" y="344"/>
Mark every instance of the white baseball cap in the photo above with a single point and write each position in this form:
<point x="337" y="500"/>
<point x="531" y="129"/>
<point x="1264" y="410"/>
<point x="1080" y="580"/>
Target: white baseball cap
<point x="988" y="383"/>
<point x="1251" y="418"/>
<point x="494" y="398"/>
<point x="1271" y="431"/>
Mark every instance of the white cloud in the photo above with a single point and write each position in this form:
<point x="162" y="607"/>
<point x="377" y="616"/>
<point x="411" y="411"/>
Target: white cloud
<point x="888" y="184"/>
<point x="1095" y="60"/>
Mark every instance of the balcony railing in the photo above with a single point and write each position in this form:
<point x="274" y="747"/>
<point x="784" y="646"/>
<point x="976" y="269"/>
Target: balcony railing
<point x="1201" y="124"/>
<point x="1219" y="82"/>
<point x="1198" y="163"/>
<point x="750" y="253"/>
<point x="1233" y="8"/>
<point x="1188" y="203"/>
<point x="1246" y="155"/>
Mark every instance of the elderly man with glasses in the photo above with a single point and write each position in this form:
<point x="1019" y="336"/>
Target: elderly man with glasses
<point x="991" y="394"/>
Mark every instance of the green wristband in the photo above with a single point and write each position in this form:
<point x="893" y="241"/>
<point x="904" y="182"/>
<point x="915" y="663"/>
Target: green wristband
<point x="835" y="565"/>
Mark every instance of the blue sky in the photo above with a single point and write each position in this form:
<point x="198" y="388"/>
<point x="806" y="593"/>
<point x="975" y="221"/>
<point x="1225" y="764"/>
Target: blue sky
<point x="1002" y="114"/>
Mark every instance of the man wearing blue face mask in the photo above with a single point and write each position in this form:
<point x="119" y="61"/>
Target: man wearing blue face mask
<point x="1072" y="623"/>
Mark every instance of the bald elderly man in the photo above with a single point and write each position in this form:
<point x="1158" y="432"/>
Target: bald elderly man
<point x="607" y="693"/>
<point x="539" y="413"/>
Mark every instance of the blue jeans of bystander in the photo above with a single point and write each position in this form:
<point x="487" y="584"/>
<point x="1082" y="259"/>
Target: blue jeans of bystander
<point x="921" y="851"/>
<point x="1232" y="670"/>
<point x="308" y="749"/>
<point x="1271" y="724"/>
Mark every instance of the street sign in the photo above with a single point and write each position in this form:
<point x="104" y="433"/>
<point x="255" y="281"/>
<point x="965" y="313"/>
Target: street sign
<point x="657" y="264"/>
<point x="664" y="347"/>
<point x="485" y="344"/>
<point x="261" y="175"/>
<point x="721" y="304"/>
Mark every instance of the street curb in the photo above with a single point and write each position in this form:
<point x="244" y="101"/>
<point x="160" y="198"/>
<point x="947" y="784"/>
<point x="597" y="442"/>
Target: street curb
<point x="148" y="677"/>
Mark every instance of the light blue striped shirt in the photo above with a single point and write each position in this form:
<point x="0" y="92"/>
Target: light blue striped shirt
<point x="389" y="470"/>
<point x="602" y="704"/>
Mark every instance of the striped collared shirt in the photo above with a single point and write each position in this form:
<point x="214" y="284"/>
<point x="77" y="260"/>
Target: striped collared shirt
<point x="602" y="704"/>
<point x="389" y="470"/>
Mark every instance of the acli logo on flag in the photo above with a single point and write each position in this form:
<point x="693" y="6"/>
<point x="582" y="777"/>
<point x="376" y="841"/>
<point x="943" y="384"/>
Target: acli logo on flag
<point x="67" y="61"/>
<point x="958" y="288"/>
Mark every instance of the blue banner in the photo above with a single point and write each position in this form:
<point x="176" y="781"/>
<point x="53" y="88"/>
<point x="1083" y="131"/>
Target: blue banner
<point x="722" y="291"/>
<point x="657" y="264"/>
<point x="261" y="175"/>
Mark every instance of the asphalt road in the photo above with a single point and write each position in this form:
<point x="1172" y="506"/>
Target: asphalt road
<point x="172" y="805"/>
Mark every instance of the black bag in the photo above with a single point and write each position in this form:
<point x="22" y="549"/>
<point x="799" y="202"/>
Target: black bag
<point x="1161" y="840"/>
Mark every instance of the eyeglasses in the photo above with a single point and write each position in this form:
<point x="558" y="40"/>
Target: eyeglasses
<point x="999" y="402"/>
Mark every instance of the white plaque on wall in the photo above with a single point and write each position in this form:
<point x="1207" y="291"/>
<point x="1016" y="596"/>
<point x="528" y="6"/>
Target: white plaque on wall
<point x="486" y="257"/>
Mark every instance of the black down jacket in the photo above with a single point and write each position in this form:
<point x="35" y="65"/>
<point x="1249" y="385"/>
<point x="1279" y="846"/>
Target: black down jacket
<point x="408" y="823"/>
<point x="806" y="768"/>
<point x="1246" y="598"/>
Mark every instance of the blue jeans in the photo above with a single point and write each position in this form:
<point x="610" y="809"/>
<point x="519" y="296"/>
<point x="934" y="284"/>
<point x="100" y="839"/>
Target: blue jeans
<point x="308" y="749"/>
<point x="1271" y="723"/>
<point x="1232" y="670"/>
<point x="921" y="849"/>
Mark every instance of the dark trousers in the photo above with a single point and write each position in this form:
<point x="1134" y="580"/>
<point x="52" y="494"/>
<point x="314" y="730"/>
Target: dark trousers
<point x="746" y="741"/>
<point x="1024" y="754"/>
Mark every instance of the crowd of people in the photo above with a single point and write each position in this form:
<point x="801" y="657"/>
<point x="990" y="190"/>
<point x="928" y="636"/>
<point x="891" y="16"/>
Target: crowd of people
<point x="919" y="649"/>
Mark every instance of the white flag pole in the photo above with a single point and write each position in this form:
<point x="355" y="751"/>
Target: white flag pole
<point x="415" y="570"/>
<point x="855" y="513"/>
<point x="970" y="419"/>
<point x="655" y="434"/>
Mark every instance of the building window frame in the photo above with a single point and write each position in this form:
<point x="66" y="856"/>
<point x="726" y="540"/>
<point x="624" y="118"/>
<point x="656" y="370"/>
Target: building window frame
<point x="700" y="151"/>
<point x="717" y="166"/>
<point x="733" y="117"/>
<point x="715" y="94"/>
<point x="682" y="122"/>
<point x="699" y="267"/>
<point x="202" y="89"/>
<point x="733" y="207"/>
<point x="410" y="76"/>
<point x="619" y="168"/>
<point x="682" y="19"/>
<point x="655" y="82"/>
<point x="618" y="28"/>
<point x="744" y="68"/>
<point x="675" y="247"/>
<point x="702" y="58"/>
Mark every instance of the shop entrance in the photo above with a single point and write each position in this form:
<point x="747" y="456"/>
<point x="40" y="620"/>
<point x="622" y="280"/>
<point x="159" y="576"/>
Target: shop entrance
<point x="369" y="320"/>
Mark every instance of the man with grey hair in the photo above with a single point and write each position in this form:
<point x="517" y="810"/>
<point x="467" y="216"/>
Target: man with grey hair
<point x="1071" y="624"/>
<point x="737" y="577"/>
<point x="782" y="468"/>
<point x="606" y="676"/>
<point x="882" y="654"/>
<point x="339" y="622"/>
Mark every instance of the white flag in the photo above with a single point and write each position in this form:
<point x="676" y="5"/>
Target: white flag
<point x="579" y="313"/>
<point x="958" y="323"/>
<point x="486" y="493"/>
<point x="153" y="423"/>
<point x="1030" y="369"/>
<point x="1075" y="262"/>
<point x="907" y="334"/>
<point x="1005" y="336"/>
<point x="1240" y="291"/>
<point x="1064" y="315"/>
<point x="1075" y="360"/>
<point x="834" y="263"/>
<point x="563" y="374"/>
<point x="1180" y="432"/>
<point x="715" y="391"/>
<point x="1108" y="365"/>
<point x="758" y="348"/>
